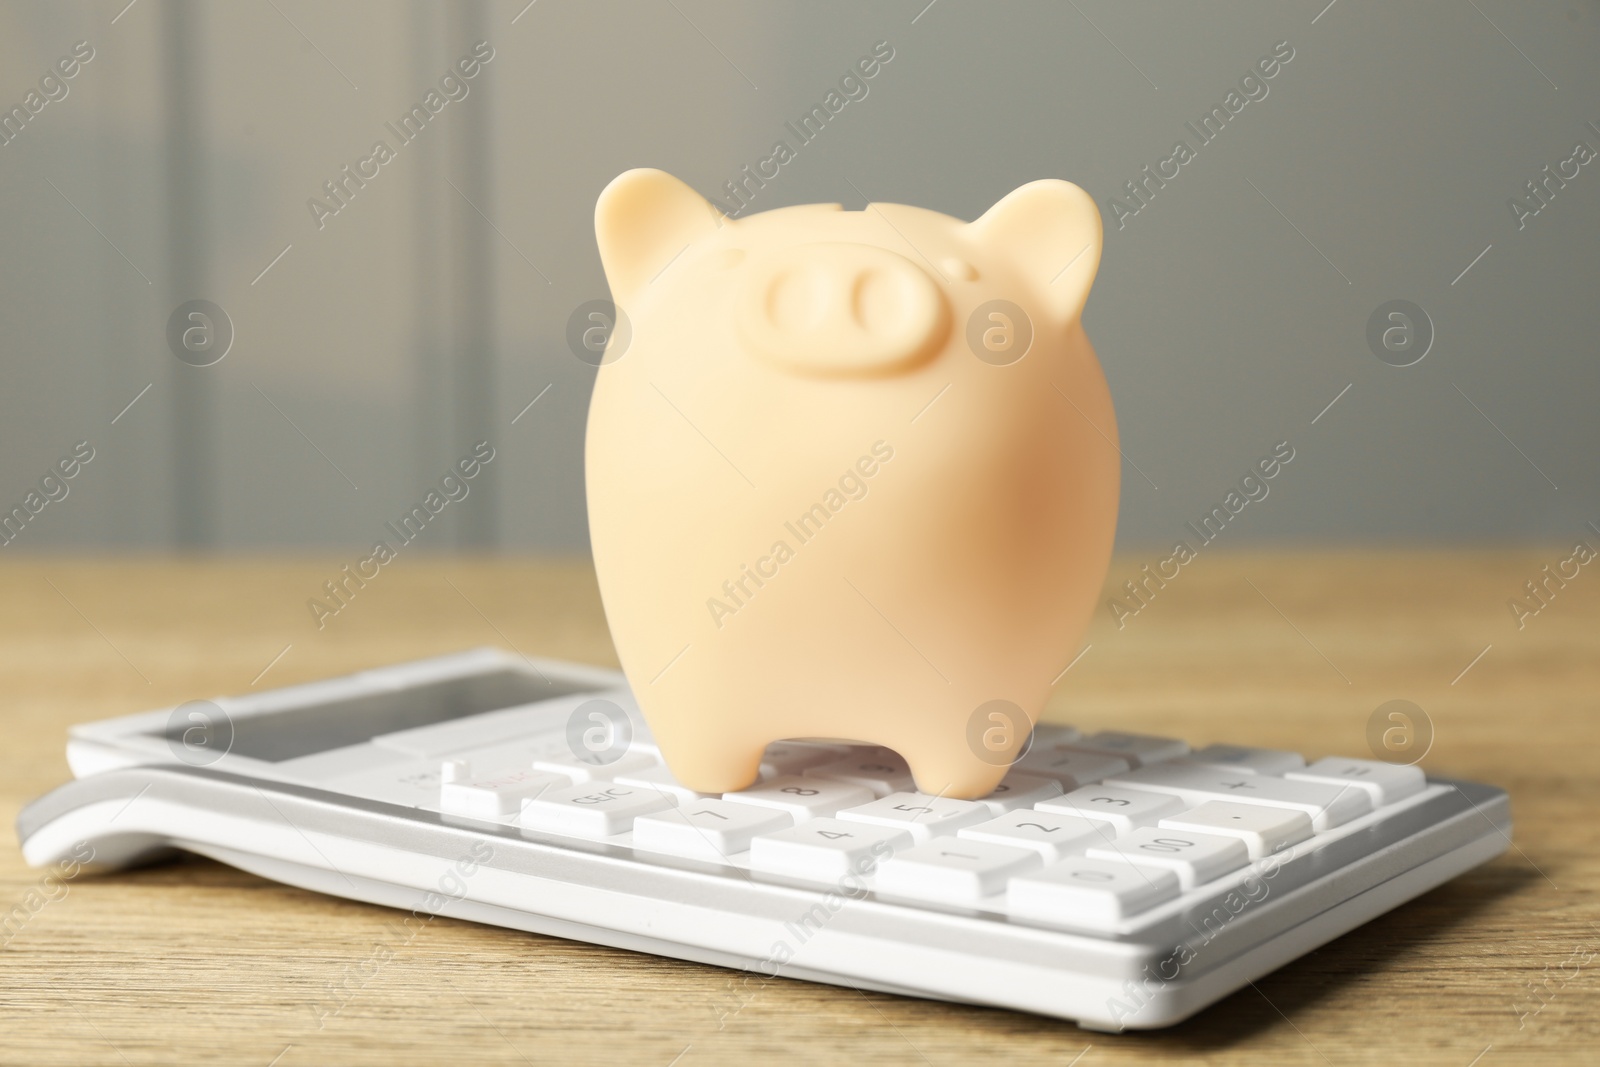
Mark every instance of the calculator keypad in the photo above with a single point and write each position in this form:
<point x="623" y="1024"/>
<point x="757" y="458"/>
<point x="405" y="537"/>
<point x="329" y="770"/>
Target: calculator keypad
<point x="1087" y="833"/>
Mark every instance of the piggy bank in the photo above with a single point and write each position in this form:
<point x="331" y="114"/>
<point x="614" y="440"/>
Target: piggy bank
<point x="854" y="475"/>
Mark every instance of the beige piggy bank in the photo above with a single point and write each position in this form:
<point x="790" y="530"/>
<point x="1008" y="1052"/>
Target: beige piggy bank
<point x="854" y="475"/>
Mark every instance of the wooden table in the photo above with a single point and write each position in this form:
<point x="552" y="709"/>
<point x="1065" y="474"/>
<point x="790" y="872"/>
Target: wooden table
<point x="194" y="961"/>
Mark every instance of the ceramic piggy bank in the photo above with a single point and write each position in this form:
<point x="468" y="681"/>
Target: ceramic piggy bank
<point x="854" y="475"/>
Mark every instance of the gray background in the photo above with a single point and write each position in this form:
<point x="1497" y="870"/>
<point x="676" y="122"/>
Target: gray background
<point x="427" y="314"/>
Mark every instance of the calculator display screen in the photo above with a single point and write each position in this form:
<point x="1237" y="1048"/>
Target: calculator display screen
<point x="312" y="728"/>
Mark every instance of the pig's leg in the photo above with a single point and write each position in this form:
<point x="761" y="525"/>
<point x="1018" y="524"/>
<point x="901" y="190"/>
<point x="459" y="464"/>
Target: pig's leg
<point x="944" y="766"/>
<point x="708" y="759"/>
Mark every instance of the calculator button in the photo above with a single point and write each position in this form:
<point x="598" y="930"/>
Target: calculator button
<point x="1070" y="767"/>
<point x="588" y="771"/>
<point x="494" y="796"/>
<point x="1327" y="805"/>
<point x="516" y="753"/>
<point x="922" y="816"/>
<point x="953" y="870"/>
<point x="1263" y="830"/>
<point x="707" y="829"/>
<point x="1053" y="735"/>
<point x="1020" y="791"/>
<point x="1260" y="760"/>
<point x="1089" y="893"/>
<point x="1194" y="858"/>
<point x="877" y="769"/>
<point x="792" y="757"/>
<point x="826" y="850"/>
<point x="1052" y="836"/>
<point x="593" y="809"/>
<point x="1124" y="809"/>
<point x="1137" y="749"/>
<point x="659" y="777"/>
<point x="803" y="798"/>
<point x="1385" y="783"/>
<point x="413" y="783"/>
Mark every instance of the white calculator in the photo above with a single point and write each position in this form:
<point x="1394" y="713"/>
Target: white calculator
<point x="1114" y="880"/>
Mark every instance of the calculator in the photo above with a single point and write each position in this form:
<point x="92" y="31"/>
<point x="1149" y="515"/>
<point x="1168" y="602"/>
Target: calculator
<point x="1116" y="880"/>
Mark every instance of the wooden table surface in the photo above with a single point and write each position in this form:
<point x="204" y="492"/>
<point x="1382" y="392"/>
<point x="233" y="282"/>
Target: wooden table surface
<point x="193" y="961"/>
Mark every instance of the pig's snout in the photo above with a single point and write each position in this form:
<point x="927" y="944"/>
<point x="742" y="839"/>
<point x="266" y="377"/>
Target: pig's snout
<point x="831" y="309"/>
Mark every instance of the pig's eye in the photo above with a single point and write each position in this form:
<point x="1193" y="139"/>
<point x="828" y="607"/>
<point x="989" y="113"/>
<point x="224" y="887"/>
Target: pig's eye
<point x="728" y="258"/>
<point x="957" y="269"/>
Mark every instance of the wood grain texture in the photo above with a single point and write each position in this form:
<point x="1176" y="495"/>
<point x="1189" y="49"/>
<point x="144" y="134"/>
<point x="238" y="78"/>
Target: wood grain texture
<point x="195" y="962"/>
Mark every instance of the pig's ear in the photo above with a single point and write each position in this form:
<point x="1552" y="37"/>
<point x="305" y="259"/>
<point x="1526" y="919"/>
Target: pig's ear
<point x="642" y="221"/>
<point x="1051" y="230"/>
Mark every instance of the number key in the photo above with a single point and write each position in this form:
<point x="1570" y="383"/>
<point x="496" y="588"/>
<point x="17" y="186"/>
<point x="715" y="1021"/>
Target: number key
<point x="708" y="829"/>
<point x="1052" y="836"/>
<point x="1238" y="757"/>
<point x="923" y="817"/>
<point x="1089" y="893"/>
<point x="1194" y="858"/>
<point x="804" y="798"/>
<point x="1020" y="791"/>
<point x="953" y="871"/>
<point x="825" y="850"/>
<point x="877" y="769"/>
<point x="1137" y="749"/>
<point x="791" y="757"/>
<point x="1070" y="767"/>
<point x="1124" y="809"/>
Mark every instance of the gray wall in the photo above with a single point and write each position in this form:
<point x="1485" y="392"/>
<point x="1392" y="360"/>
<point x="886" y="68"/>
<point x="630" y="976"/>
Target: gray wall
<point x="1230" y="310"/>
